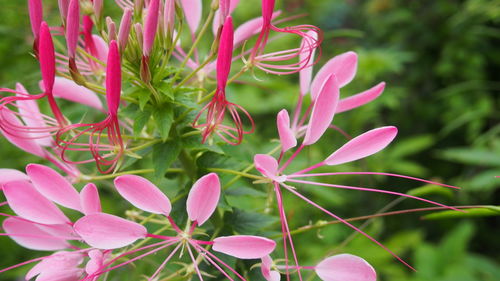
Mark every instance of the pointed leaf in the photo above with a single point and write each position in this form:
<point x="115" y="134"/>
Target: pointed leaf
<point x="143" y="194"/>
<point x="203" y="198"/>
<point x="53" y="186"/>
<point x="343" y="66"/>
<point x="345" y="267"/>
<point x="363" y="145"/>
<point x="244" y="246"/>
<point x="164" y="154"/>
<point x="323" y="110"/>
<point x="104" y="231"/>
<point x="29" y="204"/>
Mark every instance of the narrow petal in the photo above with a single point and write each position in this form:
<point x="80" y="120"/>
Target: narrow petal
<point x="268" y="167"/>
<point x="29" y="204"/>
<point x="305" y="73"/>
<point x="225" y="9"/>
<point x="101" y="46"/>
<point x="143" y="194"/>
<point x="53" y="186"/>
<point x="28" y="235"/>
<point x="21" y="139"/>
<point x="244" y="246"/>
<point x="360" y="99"/>
<point x="287" y="137"/>
<point x="104" y="231"/>
<point x="345" y="267"/>
<point x="266" y="271"/>
<point x="192" y="10"/>
<point x="89" y="199"/>
<point x="60" y="266"/>
<point x="9" y="175"/>
<point x="113" y="78"/>
<point x="323" y="110"/>
<point x="344" y="66"/>
<point x="249" y="29"/>
<point x="363" y="145"/>
<point x="69" y="90"/>
<point x="203" y="198"/>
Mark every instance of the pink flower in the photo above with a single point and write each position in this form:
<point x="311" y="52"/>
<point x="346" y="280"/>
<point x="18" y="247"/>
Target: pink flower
<point x="36" y="18"/>
<point x="312" y="38"/>
<point x="217" y="107"/>
<point x="105" y="153"/>
<point x="201" y="203"/>
<point x="360" y="147"/>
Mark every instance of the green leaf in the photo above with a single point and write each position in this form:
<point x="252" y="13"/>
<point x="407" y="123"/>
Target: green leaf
<point x="480" y="157"/>
<point x="430" y="189"/>
<point x="250" y="222"/>
<point x="164" y="117"/>
<point x="164" y="154"/>
<point x="141" y="118"/>
<point x="486" y="211"/>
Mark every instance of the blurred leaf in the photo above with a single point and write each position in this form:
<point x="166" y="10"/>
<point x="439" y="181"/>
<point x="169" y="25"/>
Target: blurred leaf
<point x="244" y="222"/>
<point x="479" y="157"/>
<point x="486" y="211"/>
<point x="431" y="189"/>
<point x="164" y="116"/>
<point x="164" y="154"/>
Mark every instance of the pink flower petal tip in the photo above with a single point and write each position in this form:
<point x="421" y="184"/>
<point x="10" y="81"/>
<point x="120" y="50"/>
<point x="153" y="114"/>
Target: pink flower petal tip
<point x="203" y="198"/>
<point x="244" y="246"/>
<point x="345" y="267"/>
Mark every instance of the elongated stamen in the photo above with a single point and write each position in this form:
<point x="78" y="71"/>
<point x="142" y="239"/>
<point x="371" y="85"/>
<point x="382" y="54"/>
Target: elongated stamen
<point x="209" y="254"/>
<point x="195" y="264"/>
<point x="162" y="265"/>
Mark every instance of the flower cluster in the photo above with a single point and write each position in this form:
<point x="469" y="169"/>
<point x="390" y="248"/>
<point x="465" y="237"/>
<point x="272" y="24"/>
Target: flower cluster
<point x="174" y="89"/>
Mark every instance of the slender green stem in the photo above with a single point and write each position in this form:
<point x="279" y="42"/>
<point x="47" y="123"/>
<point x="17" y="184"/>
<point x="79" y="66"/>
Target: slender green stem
<point x="145" y="145"/>
<point x="200" y="67"/>
<point x="234" y="77"/>
<point x="240" y="174"/>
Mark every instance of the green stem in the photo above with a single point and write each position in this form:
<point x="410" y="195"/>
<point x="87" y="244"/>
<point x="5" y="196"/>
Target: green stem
<point x="133" y="172"/>
<point x="240" y="174"/>
<point x="145" y="145"/>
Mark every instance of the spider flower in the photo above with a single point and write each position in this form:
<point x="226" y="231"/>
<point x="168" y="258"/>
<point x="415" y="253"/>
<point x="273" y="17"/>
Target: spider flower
<point x="285" y="59"/>
<point x="103" y="140"/>
<point x="201" y="203"/>
<point x="215" y="110"/>
<point x="359" y="147"/>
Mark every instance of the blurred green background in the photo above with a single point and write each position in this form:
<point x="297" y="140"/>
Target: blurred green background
<point x="441" y="62"/>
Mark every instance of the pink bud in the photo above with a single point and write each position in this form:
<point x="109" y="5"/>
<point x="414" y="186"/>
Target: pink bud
<point x="124" y="31"/>
<point x="169" y="16"/>
<point x="72" y="27"/>
<point x="36" y="16"/>
<point x="98" y="7"/>
<point x="267" y="10"/>
<point x="47" y="57"/>
<point x="63" y="9"/>
<point x="225" y="55"/>
<point x="111" y="29"/>
<point x="113" y="78"/>
<point x="150" y="27"/>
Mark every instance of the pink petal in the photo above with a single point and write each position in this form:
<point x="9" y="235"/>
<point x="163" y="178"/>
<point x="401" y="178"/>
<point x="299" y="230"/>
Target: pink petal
<point x="363" y="145"/>
<point x="344" y="66"/>
<point x="21" y="139"/>
<point x="265" y="268"/>
<point x="192" y="9"/>
<point x="104" y="231"/>
<point x="225" y="53"/>
<point x="249" y="29"/>
<point x="323" y="110"/>
<point x="345" y="267"/>
<point x="361" y="98"/>
<point x="10" y="175"/>
<point x="101" y="47"/>
<point x="124" y="31"/>
<point x="63" y="8"/>
<point x="268" y="167"/>
<point x="203" y="198"/>
<point x="89" y="199"/>
<point x="244" y="246"/>
<point x="96" y="261"/>
<point x="113" y="78"/>
<point x="287" y="137"/>
<point x="53" y="186"/>
<point x="32" y="117"/>
<point x="29" y="204"/>
<point x="227" y="10"/>
<point x="69" y="90"/>
<point x="150" y="26"/>
<point x="28" y="235"/>
<point x="60" y="266"/>
<point x="73" y="27"/>
<point x="143" y="194"/>
<point x="169" y="16"/>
